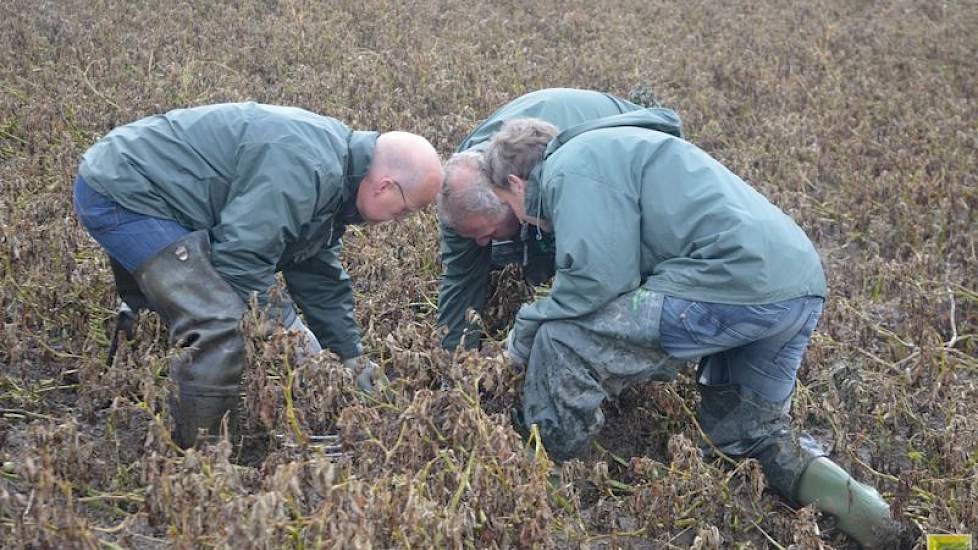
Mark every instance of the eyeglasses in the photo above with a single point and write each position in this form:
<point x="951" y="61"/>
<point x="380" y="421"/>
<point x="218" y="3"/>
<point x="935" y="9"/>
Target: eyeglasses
<point x="401" y="190"/>
<point x="407" y="207"/>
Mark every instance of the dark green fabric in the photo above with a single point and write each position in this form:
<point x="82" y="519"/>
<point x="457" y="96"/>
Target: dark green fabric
<point x="321" y="284"/>
<point x="464" y="282"/>
<point x="465" y="264"/>
<point x="632" y="204"/>
<point x="273" y="186"/>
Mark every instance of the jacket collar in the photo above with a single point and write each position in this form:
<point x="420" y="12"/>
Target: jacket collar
<point x="358" y="161"/>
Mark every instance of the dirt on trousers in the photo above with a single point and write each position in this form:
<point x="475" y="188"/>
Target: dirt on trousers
<point x="855" y="118"/>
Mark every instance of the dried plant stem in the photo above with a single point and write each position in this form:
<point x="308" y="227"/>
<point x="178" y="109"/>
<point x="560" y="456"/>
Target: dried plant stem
<point x="14" y="413"/>
<point x="692" y="417"/>
<point x="290" y="413"/>
<point x="84" y="76"/>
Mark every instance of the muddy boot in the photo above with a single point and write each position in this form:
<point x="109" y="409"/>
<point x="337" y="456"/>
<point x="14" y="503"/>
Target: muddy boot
<point x="859" y="510"/>
<point x="202" y="313"/>
<point x="742" y="424"/>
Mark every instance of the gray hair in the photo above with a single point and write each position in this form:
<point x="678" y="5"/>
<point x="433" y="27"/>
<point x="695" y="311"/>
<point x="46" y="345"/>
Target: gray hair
<point x="517" y="148"/>
<point x="466" y="190"/>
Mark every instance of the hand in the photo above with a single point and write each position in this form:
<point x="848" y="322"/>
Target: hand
<point x="514" y="355"/>
<point x="369" y="376"/>
<point x="306" y="345"/>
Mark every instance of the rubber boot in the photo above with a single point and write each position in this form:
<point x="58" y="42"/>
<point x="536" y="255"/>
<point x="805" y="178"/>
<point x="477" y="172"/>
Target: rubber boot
<point x="133" y="302"/>
<point x="740" y="423"/>
<point x="202" y="313"/>
<point x="859" y="510"/>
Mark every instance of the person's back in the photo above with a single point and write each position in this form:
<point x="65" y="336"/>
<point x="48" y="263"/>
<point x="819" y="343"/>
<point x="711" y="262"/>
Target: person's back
<point x="184" y="164"/>
<point x="562" y="107"/>
<point x="700" y="231"/>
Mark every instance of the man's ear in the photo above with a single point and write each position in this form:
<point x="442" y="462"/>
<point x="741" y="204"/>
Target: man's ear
<point x="516" y="183"/>
<point x="381" y="185"/>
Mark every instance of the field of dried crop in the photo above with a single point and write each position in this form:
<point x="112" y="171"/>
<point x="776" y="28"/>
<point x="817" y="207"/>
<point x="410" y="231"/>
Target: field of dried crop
<point x="858" y="118"/>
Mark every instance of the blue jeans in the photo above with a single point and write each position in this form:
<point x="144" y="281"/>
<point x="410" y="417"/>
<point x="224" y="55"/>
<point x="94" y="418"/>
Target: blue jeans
<point x="128" y="237"/>
<point x="759" y="347"/>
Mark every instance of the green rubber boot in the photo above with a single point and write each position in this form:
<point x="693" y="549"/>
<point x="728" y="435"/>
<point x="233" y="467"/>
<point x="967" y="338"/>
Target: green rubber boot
<point x="859" y="510"/>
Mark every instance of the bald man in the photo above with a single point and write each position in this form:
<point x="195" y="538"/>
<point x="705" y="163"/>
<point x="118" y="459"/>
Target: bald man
<point x="199" y="208"/>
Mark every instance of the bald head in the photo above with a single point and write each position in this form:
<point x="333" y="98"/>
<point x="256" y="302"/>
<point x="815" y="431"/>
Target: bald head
<point x="405" y="176"/>
<point x="413" y="162"/>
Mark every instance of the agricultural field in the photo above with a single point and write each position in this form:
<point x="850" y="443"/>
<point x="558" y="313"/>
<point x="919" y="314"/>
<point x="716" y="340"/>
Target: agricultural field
<point x="858" y="118"/>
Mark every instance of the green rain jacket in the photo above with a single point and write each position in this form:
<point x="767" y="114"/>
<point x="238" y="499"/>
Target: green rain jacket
<point x="274" y="186"/>
<point x="465" y="264"/>
<point x="629" y="203"/>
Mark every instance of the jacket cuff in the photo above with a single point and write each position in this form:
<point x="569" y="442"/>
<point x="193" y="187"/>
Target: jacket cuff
<point x="524" y="332"/>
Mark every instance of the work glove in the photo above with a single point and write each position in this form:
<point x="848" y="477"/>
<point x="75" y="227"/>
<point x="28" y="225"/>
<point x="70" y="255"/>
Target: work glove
<point x="514" y="355"/>
<point x="369" y="376"/>
<point x="307" y="345"/>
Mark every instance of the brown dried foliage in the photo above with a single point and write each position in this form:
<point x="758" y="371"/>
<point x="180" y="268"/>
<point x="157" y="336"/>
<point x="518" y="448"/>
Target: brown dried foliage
<point x="856" y="118"/>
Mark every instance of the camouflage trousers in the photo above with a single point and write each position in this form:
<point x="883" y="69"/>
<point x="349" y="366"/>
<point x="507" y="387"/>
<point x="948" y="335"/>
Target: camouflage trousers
<point x="576" y="364"/>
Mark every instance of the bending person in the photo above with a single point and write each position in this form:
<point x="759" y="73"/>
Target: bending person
<point x="663" y="255"/>
<point x="199" y="208"/>
<point x="479" y="233"/>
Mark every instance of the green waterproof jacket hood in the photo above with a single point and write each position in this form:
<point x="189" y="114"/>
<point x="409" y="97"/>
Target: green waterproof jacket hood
<point x="658" y="119"/>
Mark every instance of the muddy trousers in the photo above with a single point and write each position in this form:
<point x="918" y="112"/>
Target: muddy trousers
<point x="749" y="357"/>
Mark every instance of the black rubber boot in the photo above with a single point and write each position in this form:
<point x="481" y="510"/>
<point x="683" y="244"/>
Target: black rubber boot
<point x="202" y="313"/>
<point x="133" y="302"/>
